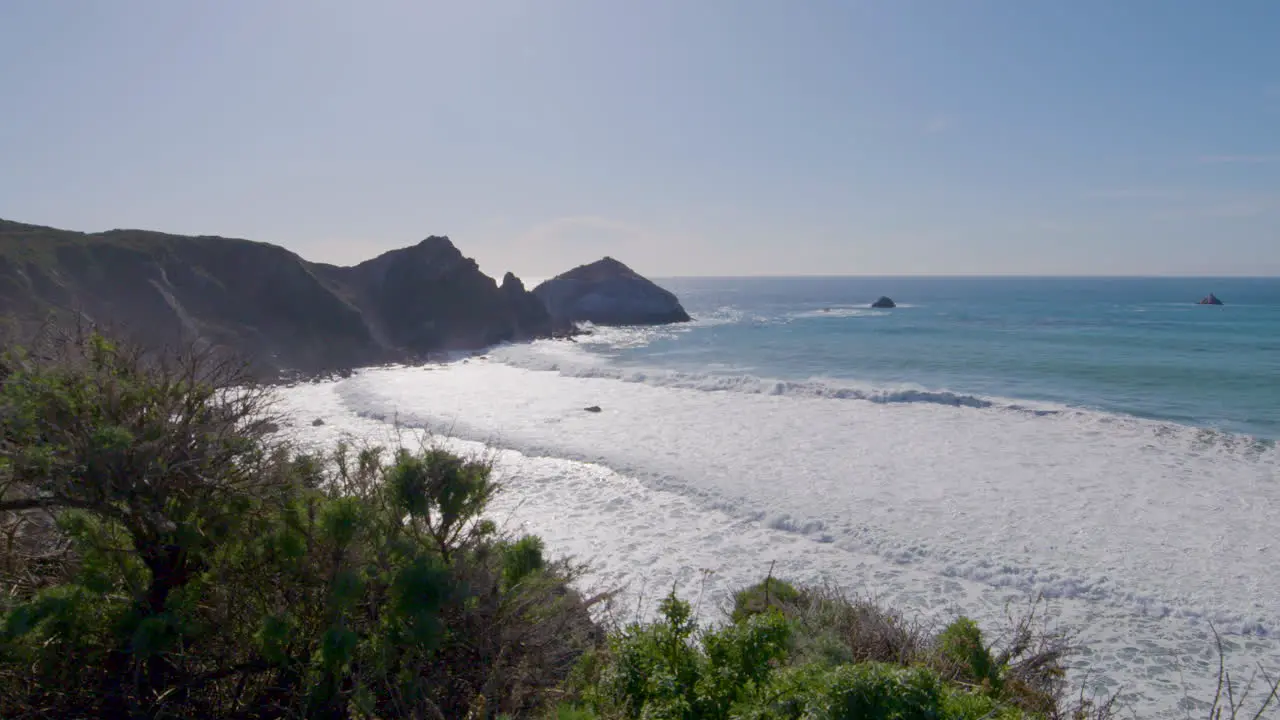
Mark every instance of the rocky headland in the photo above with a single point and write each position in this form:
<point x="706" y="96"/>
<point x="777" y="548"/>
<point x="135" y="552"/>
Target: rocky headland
<point x="287" y="316"/>
<point x="607" y="292"/>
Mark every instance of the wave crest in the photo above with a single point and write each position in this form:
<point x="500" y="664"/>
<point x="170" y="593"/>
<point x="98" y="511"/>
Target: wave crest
<point x="754" y="385"/>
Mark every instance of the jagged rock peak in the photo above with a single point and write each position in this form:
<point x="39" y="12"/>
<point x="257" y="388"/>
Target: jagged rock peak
<point x="437" y="241"/>
<point x="511" y="283"/>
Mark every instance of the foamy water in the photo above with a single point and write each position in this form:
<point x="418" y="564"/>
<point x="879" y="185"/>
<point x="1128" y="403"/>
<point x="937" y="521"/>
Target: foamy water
<point x="1140" y="533"/>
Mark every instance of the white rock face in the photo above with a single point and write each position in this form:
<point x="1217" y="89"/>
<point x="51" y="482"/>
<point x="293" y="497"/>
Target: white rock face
<point x="607" y="292"/>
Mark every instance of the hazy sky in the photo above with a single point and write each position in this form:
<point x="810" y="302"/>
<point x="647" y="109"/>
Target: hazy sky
<point x="685" y="137"/>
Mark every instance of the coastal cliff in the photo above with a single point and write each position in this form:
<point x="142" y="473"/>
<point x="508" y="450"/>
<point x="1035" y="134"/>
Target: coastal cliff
<point x="260" y="301"/>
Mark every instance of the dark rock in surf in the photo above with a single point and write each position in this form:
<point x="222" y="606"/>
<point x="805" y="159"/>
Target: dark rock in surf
<point x="884" y="303"/>
<point x="606" y="292"/>
<point x="1210" y="300"/>
<point x="317" y="422"/>
<point x="593" y="409"/>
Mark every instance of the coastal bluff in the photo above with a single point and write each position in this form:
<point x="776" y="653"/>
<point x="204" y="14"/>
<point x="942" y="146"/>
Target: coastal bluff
<point x="263" y="303"/>
<point x="607" y="292"/>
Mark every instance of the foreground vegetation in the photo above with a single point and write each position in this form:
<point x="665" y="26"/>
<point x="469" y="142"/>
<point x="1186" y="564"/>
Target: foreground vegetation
<point x="790" y="653"/>
<point x="164" y="555"/>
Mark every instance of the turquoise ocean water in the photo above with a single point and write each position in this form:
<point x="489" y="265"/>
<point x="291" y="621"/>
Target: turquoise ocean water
<point x="1135" y="346"/>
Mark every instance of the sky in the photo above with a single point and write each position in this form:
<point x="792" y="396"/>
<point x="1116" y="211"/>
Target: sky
<point x="683" y="137"/>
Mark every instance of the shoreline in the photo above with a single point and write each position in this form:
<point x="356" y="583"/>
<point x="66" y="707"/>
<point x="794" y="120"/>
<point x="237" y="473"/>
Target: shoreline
<point x="626" y="525"/>
<point x="834" y="389"/>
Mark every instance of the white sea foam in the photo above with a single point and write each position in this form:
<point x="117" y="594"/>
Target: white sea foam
<point x="1139" y="532"/>
<point x="566" y="360"/>
<point x="840" y="312"/>
<point x="604" y="336"/>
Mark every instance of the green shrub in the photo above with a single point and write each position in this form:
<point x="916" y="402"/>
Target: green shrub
<point x="769" y="593"/>
<point x="961" y="644"/>
<point x="831" y="628"/>
<point x="521" y="559"/>
<point x="740" y="659"/>
<point x="654" y="668"/>
<point x="572" y="712"/>
<point x="668" y="670"/>
<point x="749" y="668"/>
<point x="201" y="569"/>
<point x="868" y="691"/>
<point x="964" y="705"/>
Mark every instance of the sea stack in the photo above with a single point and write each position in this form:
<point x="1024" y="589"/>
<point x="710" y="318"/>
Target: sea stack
<point x="1210" y="300"/>
<point x="883" y="303"/>
<point x="606" y="292"/>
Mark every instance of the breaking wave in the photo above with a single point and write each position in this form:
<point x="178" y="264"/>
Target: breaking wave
<point x="570" y="366"/>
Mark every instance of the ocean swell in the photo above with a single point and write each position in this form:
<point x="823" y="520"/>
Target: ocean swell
<point x="754" y="385"/>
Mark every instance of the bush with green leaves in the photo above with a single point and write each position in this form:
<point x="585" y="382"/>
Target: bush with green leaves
<point x="961" y="644"/>
<point x="809" y="653"/>
<point x="1026" y="671"/>
<point x="166" y="557"/>
<point x="870" y="691"/>
<point x="670" y="669"/>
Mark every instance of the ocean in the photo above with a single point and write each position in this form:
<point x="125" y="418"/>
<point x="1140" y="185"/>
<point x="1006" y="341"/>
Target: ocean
<point x="1137" y="347"/>
<point x="1104" y="444"/>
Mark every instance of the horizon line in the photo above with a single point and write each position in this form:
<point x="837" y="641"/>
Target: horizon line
<point x="665" y="276"/>
<point x="1113" y="276"/>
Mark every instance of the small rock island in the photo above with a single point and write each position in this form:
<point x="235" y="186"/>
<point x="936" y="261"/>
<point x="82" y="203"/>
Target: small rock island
<point x="1211" y="299"/>
<point x="884" y="303"/>
<point x="606" y="292"/>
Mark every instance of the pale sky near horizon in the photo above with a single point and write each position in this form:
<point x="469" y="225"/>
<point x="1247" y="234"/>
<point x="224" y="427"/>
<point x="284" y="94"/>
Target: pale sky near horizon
<point x="684" y="137"/>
